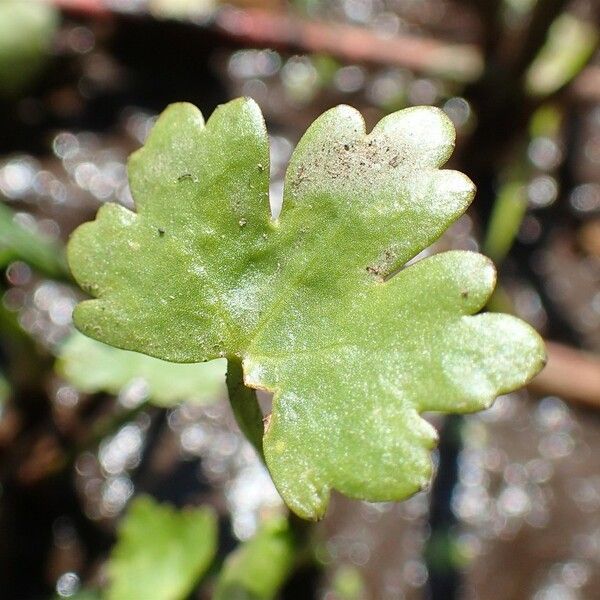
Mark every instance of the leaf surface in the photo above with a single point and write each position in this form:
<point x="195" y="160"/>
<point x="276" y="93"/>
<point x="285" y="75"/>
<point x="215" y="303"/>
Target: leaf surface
<point x="92" y="366"/>
<point x="161" y="552"/>
<point x="307" y="303"/>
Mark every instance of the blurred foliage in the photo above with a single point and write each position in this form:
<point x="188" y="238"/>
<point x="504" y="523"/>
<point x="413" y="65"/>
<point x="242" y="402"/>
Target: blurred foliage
<point x="19" y="243"/>
<point x="509" y="209"/>
<point x="92" y="366"/>
<point x="161" y="552"/>
<point x="84" y="594"/>
<point x="546" y="121"/>
<point x="27" y="28"/>
<point x="5" y="390"/>
<point x="348" y="583"/>
<point x="259" y="567"/>
<point x="570" y="44"/>
<point x="511" y="202"/>
<point x="444" y="552"/>
<point x="182" y="9"/>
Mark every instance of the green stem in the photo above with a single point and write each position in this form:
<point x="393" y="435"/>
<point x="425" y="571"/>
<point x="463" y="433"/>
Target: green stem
<point x="244" y="405"/>
<point x="507" y="216"/>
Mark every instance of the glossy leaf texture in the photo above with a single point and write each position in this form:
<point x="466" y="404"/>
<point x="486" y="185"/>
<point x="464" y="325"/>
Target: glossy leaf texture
<point x="316" y="305"/>
<point x="161" y="552"/>
<point x="91" y="366"/>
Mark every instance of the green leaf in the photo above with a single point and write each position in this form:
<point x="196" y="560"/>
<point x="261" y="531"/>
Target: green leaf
<point x="92" y="366"/>
<point x="348" y="583"/>
<point x="507" y="215"/>
<point x="306" y="302"/>
<point x="18" y="243"/>
<point x="26" y="33"/>
<point x="5" y="391"/>
<point x="258" y="568"/>
<point x="161" y="552"/>
<point x="570" y="44"/>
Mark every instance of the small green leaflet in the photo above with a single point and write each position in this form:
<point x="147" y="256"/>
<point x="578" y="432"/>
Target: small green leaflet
<point x="161" y="552"/>
<point x="92" y="366"/>
<point x="258" y="568"/>
<point x="306" y="303"/>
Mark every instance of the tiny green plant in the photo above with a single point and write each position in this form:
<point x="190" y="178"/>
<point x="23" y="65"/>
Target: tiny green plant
<point x="318" y="304"/>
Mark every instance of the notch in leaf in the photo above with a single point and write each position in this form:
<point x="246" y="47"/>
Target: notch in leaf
<point x="305" y="305"/>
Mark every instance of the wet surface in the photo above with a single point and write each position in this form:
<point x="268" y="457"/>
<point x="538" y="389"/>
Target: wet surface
<point x="527" y="500"/>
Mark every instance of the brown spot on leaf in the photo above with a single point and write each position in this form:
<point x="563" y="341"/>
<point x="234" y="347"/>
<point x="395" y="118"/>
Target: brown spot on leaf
<point x="267" y="422"/>
<point x="300" y="176"/>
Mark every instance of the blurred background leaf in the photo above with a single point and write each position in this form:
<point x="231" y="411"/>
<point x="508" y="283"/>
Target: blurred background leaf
<point x="92" y="366"/>
<point x="27" y="28"/>
<point x="161" y="552"/>
<point x="259" y="567"/>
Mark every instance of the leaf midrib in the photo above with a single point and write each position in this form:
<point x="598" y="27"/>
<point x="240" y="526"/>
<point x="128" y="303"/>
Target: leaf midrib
<point x="291" y="283"/>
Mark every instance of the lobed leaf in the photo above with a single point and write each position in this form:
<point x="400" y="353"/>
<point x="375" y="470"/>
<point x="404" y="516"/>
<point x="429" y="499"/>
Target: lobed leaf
<point x="317" y="306"/>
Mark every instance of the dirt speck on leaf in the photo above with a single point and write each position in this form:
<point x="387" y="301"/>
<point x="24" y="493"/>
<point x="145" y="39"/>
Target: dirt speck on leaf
<point x="382" y="268"/>
<point x="187" y="177"/>
<point x="267" y="422"/>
